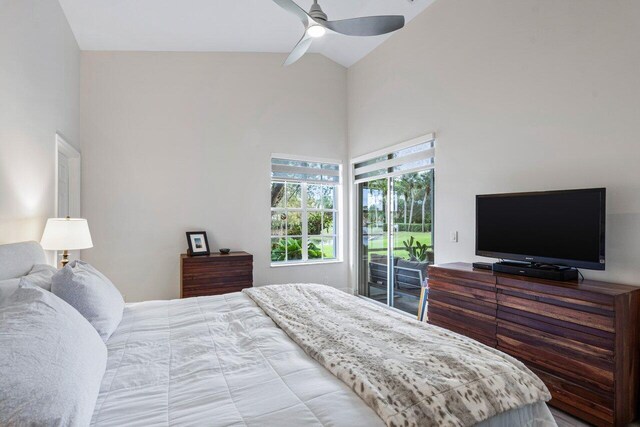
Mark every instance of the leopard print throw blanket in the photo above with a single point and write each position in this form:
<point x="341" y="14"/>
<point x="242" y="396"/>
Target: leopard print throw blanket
<point x="409" y="372"/>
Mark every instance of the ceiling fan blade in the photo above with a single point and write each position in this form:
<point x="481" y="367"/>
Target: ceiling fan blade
<point x="367" y="25"/>
<point x="300" y="49"/>
<point x="292" y="7"/>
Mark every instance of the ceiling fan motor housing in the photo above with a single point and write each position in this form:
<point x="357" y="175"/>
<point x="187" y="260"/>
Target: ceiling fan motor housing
<point x="316" y="12"/>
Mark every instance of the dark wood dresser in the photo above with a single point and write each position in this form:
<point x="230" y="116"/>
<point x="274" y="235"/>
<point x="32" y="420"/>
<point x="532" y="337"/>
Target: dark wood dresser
<point x="215" y="274"/>
<point x="580" y="338"/>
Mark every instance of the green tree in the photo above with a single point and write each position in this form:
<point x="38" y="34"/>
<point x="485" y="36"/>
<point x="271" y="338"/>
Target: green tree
<point x="277" y="193"/>
<point x="401" y="187"/>
<point x="379" y="185"/>
<point x="424" y="182"/>
<point x="411" y="183"/>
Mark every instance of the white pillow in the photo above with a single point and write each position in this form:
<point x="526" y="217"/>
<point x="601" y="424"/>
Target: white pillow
<point x="40" y="276"/>
<point x="92" y="294"/>
<point x="8" y="287"/>
<point x="51" y="361"/>
<point x="16" y="259"/>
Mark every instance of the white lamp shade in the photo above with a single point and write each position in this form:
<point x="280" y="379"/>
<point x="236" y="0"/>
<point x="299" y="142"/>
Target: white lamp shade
<point x="66" y="234"/>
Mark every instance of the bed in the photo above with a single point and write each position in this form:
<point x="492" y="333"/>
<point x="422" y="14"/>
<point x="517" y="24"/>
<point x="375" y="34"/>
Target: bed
<point x="222" y="361"/>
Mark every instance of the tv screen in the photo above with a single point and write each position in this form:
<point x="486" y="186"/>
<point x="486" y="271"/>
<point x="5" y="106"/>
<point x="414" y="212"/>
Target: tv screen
<point x="555" y="227"/>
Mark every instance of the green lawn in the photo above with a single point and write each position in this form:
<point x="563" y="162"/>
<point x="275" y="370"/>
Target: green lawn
<point x="381" y="242"/>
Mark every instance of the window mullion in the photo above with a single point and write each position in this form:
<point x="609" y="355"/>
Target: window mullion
<point x="305" y="224"/>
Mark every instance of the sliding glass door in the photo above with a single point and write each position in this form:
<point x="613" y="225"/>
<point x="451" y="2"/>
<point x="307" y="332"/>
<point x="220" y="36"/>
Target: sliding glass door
<point x="412" y="237"/>
<point x="373" y="240"/>
<point x="395" y="223"/>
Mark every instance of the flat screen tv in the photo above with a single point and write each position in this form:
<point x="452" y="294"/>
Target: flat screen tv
<point x="551" y="227"/>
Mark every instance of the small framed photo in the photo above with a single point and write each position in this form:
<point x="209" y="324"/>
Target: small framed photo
<point x="198" y="243"/>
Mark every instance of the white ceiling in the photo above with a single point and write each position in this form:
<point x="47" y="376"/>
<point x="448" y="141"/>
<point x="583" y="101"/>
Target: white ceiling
<point x="221" y="25"/>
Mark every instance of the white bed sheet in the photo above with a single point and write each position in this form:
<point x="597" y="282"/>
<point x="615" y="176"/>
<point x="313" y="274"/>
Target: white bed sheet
<point x="221" y="361"/>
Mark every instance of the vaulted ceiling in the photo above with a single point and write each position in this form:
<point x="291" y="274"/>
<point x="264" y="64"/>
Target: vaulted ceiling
<point x="221" y="25"/>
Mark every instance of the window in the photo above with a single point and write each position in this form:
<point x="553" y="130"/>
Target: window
<point x="304" y="211"/>
<point x="409" y="157"/>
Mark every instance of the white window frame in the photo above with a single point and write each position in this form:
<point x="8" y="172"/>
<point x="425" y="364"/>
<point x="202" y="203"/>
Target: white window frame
<point x="304" y="210"/>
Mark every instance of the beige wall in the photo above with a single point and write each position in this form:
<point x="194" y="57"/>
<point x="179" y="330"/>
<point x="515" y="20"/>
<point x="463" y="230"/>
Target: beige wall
<point x="39" y="84"/>
<point x="523" y="95"/>
<point x="174" y="142"/>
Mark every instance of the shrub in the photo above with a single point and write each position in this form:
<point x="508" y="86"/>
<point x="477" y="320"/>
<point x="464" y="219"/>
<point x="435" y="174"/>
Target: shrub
<point x="293" y="249"/>
<point x="419" y="252"/>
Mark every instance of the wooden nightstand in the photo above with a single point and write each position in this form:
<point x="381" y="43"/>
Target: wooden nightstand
<point x="215" y="274"/>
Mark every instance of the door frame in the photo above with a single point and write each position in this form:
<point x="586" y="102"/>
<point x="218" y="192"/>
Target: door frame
<point x="75" y="165"/>
<point x="355" y="235"/>
<point x="75" y="171"/>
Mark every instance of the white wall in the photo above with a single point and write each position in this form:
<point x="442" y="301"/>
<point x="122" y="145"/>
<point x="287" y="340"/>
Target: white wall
<point x="176" y="142"/>
<point x="523" y="95"/>
<point x="39" y="85"/>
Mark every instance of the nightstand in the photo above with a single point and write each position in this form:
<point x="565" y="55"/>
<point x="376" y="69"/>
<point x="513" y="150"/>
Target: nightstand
<point x="215" y="274"/>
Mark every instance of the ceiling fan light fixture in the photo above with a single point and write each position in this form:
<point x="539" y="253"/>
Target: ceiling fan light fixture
<point x="316" y="31"/>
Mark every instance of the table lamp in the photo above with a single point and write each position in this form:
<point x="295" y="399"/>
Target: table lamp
<point x="66" y="234"/>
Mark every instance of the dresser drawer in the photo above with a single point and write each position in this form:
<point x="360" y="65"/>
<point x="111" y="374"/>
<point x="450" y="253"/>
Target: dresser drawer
<point x="563" y="329"/>
<point x="560" y="291"/>
<point x="463" y="303"/>
<point x="216" y="274"/>
<point x="474" y="277"/>
<point x="454" y="326"/>
<point x="580" y="350"/>
<point x="596" y="408"/>
<point x="466" y="323"/>
<point x="204" y="281"/>
<point x="463" y="288"/>
<point x="572" y="311"/>
<point x="578" y="362"/>
<point x="189" y="292"/>
<point x="216" y="267"/>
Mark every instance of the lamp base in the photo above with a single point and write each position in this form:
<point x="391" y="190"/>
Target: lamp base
<point x="65" y="258"/>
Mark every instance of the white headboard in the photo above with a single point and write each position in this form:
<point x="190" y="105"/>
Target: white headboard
<point x="17" y="259"/>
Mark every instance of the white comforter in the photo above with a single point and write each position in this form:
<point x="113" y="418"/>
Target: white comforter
<point x="220" y="361"/>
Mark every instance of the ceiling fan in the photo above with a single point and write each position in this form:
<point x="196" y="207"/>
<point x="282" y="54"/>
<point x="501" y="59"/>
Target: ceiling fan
<point x="316" y="25"/>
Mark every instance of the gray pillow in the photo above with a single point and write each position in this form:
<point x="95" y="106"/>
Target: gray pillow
<point x="92" y="294"/>
<point x="40" y="276"/>
<point x="51" y="361"/>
